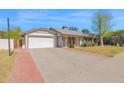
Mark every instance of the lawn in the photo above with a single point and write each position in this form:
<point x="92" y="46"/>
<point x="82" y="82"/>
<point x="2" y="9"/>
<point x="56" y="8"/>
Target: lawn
<point x="109" y="51"/>
<point x="6" y="64"/>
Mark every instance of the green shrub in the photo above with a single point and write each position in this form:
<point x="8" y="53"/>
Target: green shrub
<point x="121" y="43"/>
<point x="108" y="41"/>
<point x="71" y="46"/>
<point x="82" y="45"/>
<point x="87" y="44"/>
<point x="93" y="44"/>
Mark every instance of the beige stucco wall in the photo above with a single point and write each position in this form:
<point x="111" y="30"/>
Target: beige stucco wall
<point x="77" y="41"/>
<point x="55" y="41"/>
<point x="41" y="33"/>
<point x="60" y="42"/>
<point x="66" y="41"/>
<point x="26" y="41"/>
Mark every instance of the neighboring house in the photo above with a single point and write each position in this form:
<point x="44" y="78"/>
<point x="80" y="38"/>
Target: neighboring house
<point x="44" y="38"/>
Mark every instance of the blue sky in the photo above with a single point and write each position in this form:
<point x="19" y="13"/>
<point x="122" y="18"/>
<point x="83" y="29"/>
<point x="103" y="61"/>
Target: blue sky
<point x="82" y="18"/>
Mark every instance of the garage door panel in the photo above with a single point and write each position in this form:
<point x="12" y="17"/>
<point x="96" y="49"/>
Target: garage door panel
<point x="34" y="42"/>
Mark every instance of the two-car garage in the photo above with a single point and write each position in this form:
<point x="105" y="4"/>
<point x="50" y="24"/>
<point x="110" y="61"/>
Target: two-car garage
<point x="43" y="42"/>
<point x="38" y="38"/>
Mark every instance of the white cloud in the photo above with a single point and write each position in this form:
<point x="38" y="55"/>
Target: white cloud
<point x="45" y="16"/>
<point x="81" y="14"/>
<point x="30" y="14"/>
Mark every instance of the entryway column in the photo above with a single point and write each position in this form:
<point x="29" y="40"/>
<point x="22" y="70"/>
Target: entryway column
<point x="26" y="41"/>
<point x="77" y="41"/>
<point x="71" y="40"/>
<point x="92" y="40"/>
<point x="66" y="41"/>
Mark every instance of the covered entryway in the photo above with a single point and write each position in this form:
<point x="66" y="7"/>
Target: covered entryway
<point x="68" y="40"/>
<point x="43" y="42"/>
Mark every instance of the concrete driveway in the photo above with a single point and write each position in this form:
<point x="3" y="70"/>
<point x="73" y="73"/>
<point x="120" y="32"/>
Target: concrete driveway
<point x="64" y="65"/>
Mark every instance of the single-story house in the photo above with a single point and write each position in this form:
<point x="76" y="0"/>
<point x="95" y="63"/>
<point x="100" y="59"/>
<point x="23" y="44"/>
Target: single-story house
<point x="52" y="37"/>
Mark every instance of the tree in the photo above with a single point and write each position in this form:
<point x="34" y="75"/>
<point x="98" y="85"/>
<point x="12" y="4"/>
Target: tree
<point x="2" y="34"/>
<point x="102" y="24"/>
<point x="85" y="31"/>
<point x="17" y="33"/>
<point x="14" y="33"/>
<point x="109" y="34"/>
<point x="64" y="27"/>
<point x="119" y="37"/>
<point x="73" y="28"/>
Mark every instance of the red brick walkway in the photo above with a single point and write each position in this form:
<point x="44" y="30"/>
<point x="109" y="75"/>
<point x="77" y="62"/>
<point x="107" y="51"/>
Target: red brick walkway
<point x="25" y="69"/>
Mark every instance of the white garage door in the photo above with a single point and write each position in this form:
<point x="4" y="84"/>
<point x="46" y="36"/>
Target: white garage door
<point x="40" y="42"/>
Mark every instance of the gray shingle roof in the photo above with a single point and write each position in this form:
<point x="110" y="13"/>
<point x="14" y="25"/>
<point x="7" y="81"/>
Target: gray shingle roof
<point x="61" y="31"/>
<point x="36" y="29"/>
<point x="69" y="32"/>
